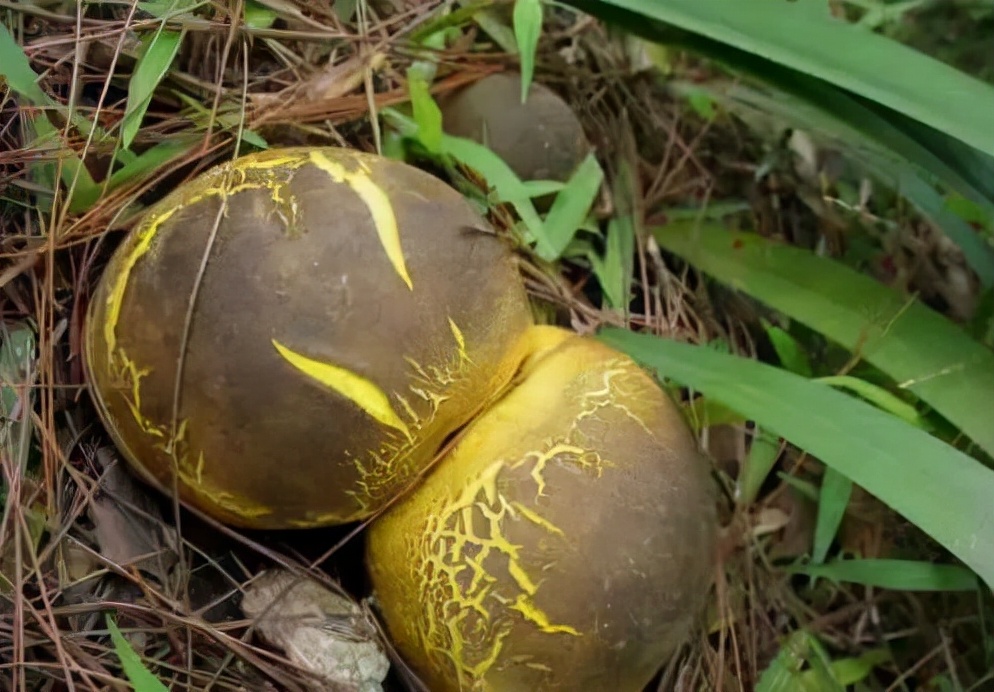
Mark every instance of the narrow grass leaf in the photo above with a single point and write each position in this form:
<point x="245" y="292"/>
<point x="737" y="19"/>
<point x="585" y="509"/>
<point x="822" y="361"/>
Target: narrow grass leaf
<point x="902" y="466"/>
<point x="427" y="114"/>
<point x="159" y="50"/>
<point x="499" y="175"/>
<point x="892" y="157"/>
<point x="170" y="9"/>
<point x="614" y="270"/>
<point x="790" y="353"/>
<point x="494" y="26"/>
<point x="832" y="502"/>
<point x="763" y="455"/>
<point x="150" y="161"/>
<point x="258" y="16"/>
<point x="786" y="673"/>
<point x="898" y="575"/>
<point x="82" y="191"/>
<point x="849" y="671"/>
<point x="806" y="488"/>
<point x="570" y="208"/>
<point x="803" y="36"/>
<point x="925" y="353"/>
<point x="16" y="69"/>
<point x="527" y="30"/>
<point x="540" y="188"/>
<point x="17" y="380"/>
<point x="141" y="678"/>
<point x="879" y="397"/>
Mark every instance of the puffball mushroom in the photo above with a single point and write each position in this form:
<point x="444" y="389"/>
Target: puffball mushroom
<point x="540" y="139"/>
<point x="290" y="337"/>
<point x="566" y="541"/>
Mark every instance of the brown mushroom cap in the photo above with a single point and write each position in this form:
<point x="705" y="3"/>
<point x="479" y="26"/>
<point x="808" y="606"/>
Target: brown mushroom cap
<point x="541" y="139"/>
<point x="564" y="544"/>
<point x="293" y="334"/>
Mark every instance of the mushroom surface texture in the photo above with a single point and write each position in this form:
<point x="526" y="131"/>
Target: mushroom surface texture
<point x="565" y="543"/>
<point x="540" y="139"/>
<point x="291" y="336"/>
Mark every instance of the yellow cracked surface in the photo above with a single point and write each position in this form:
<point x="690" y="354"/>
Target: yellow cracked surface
<point x="450" y="542"/>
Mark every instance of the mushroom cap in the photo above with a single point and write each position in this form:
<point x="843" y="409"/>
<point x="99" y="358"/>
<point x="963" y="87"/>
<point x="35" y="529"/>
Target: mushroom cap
<point x="540" y="139"/>
<point x="291" y="336"/>
<point x="565" y="543"/>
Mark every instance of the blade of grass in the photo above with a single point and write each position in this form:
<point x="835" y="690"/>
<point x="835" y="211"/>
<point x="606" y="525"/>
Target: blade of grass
<point x="804" y="37"/>
<point x="879" y="397"/>
<point x="763" y="455"/>
<point x="141" y="678"/>
<point x="790" y="353"/>
<point x="895" y="159"/>
<point x="15" y="68"/>
<point x="922" y="351"/>
<point x="156" y="57"/>
<point x="898" y="575"/>
<point x="527" y="19"/>
<point x="570" y="208"/>
<point x="786" y="672"/>
<point x="832" y="502"/>
<point x="427" y="114"/>
<point x="909" y="470"/>
<point x="971" y="175"/>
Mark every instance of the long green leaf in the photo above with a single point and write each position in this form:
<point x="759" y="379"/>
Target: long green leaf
<point x="921" y="350"/>
<point x="900" y="575"/>
<point x="887" y="153"/>
<point x="159" y="50"/>
<point x="934" y="485"/>
<point x="803" y="36"/>
<point x="15" y="68"/>
<point x="141" y="678"/>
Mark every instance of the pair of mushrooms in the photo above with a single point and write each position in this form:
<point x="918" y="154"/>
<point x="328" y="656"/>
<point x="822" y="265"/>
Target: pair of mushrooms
<point x="292" y="338"/>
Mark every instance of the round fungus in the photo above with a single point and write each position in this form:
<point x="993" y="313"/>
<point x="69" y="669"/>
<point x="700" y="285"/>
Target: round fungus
<point x="290" y="337"/>
<point x="566" y="541"/>
<point x="540" y="139"/>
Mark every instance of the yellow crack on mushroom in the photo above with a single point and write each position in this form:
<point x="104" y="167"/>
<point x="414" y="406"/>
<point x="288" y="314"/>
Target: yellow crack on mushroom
<point x="379" y="205"/>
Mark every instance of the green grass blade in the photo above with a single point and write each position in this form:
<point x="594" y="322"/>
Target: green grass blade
<point x="803" y="36"/>
<point x="970" y="175"/>
<point x="426" y="112"/>
<point x="138" y="674"/>
<point x="879" y="397"/>
<point x="913" y="472"/>
<point x="899" y="575"/>
<point x="159" y="50"/>
<point x="887" y="153"/>
<point x="527" y="19"/>
<point x="570" y="208"/>
<point x="922" y="351"/>
<point x="15" y="68"/>
<point x="832" y="502"/>
<point x="763" y="455"/>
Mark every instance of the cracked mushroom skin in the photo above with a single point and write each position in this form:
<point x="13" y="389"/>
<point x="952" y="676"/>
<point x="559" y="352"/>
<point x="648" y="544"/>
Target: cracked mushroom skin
<point x="566" y="542"/>
<point x="290" y="336"/>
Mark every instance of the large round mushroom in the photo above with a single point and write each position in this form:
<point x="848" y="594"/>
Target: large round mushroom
<point x="287" y="339"/>
<point x="565" y="543"/>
